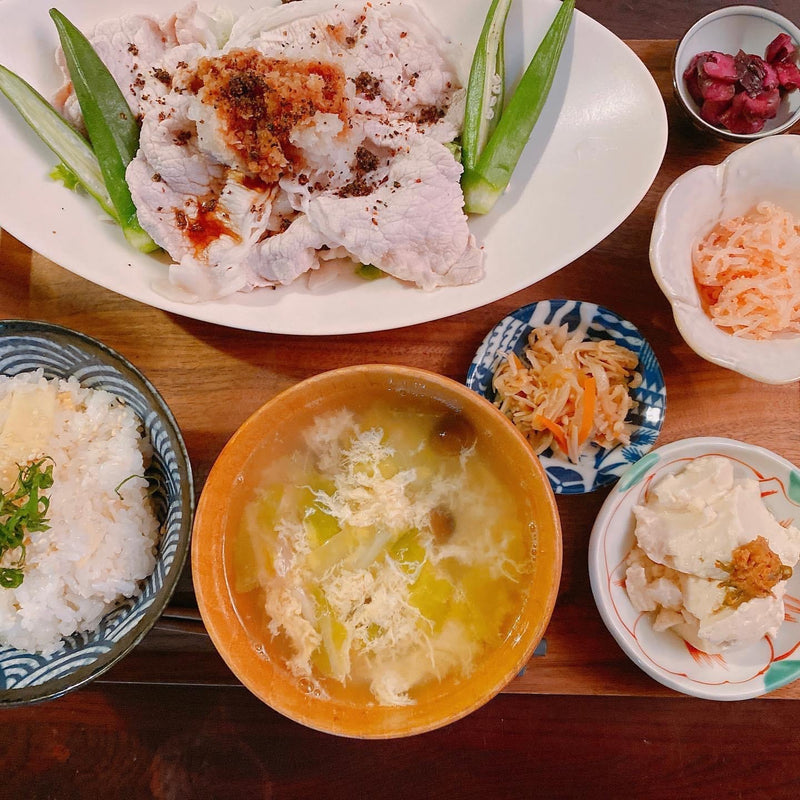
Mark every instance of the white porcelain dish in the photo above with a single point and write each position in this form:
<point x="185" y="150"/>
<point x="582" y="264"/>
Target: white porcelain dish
<point x="740" y="672"/>
<point x="729" y="30"/>
<point x="597" y="148"/>
<point x="768" y="169"/>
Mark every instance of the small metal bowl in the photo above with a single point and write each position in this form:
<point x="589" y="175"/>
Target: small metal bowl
<point x="729" y="30"/>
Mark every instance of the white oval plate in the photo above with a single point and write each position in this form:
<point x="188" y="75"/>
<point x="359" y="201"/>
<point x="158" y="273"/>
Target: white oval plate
<point x="595" y="152"/>
<point x="740" y="672"/>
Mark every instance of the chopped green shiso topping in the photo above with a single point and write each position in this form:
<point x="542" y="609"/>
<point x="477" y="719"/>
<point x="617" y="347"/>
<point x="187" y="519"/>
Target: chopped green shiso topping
<point x="23" y="510"/>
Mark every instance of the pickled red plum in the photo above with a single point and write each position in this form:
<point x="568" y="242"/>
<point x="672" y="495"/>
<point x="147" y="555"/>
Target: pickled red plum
<point x="741" y="92"/>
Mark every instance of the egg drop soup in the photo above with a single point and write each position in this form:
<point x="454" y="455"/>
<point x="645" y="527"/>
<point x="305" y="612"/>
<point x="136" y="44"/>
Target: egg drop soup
<point x="381" y="549"/>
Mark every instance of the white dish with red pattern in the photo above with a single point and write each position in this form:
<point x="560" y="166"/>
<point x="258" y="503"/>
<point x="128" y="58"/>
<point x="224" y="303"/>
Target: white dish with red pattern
<point x="740" y="672"/>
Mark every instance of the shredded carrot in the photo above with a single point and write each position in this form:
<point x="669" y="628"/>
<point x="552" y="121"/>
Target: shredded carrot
<point x="556" y="430"/>
<point x="567" y="391"/>
<point x="747" y="271"/>
<point x="587" y="418"/>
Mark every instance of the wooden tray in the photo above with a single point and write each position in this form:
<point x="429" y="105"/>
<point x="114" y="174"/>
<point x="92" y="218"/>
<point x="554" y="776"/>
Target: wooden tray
<point x="213" y="378"/>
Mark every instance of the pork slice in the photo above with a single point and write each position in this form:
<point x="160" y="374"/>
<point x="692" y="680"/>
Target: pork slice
<point x="283" y="258"/>
<point x="131" y="46"/>
<point x="209" y="236"/>
<point x="127" y="46"/>
<point x="411" y="226"/>
<point x="398" y="65"/>
<point x="223" y="267"/>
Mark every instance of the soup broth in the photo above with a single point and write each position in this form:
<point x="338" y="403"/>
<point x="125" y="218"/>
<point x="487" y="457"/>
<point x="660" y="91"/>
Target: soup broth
<point x="381" y="549"/>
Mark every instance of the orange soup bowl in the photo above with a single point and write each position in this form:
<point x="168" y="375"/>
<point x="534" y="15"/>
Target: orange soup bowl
<point x="259" y="654"/>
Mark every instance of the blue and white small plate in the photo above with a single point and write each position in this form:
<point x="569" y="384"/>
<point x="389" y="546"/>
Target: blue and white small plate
<point x="597" y="466"/>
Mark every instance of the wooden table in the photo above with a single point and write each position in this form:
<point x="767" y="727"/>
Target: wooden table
<point x="170" y="720"/>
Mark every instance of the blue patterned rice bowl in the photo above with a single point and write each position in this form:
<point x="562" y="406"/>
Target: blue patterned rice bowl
<point x="25" y="346"/>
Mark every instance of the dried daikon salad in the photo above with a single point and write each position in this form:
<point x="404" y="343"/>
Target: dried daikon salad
<point x="748" y="272"/>
<point x="568" y="391"/>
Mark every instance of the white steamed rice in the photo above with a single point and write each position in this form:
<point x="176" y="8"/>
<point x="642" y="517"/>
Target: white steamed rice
<point x="102" y="539"/>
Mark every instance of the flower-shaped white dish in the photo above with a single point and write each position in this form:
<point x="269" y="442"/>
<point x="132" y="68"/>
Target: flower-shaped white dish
<point x="729" y="30"/>
<point x="768" y="169"/>
<point x="740" y="672"/>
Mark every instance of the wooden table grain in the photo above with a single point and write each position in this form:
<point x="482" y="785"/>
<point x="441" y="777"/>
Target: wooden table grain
<point x="170" y="721"/>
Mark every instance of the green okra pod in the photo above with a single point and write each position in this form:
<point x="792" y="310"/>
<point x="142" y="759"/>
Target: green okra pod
<point x="67" y="143"/>
<point x="112" y="127"/>
<point x="484" y="182"/>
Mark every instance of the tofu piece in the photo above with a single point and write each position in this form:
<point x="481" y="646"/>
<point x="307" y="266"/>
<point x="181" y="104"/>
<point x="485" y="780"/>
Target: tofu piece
<point x="27" y="428"/>
<point x="686" y="533"/>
